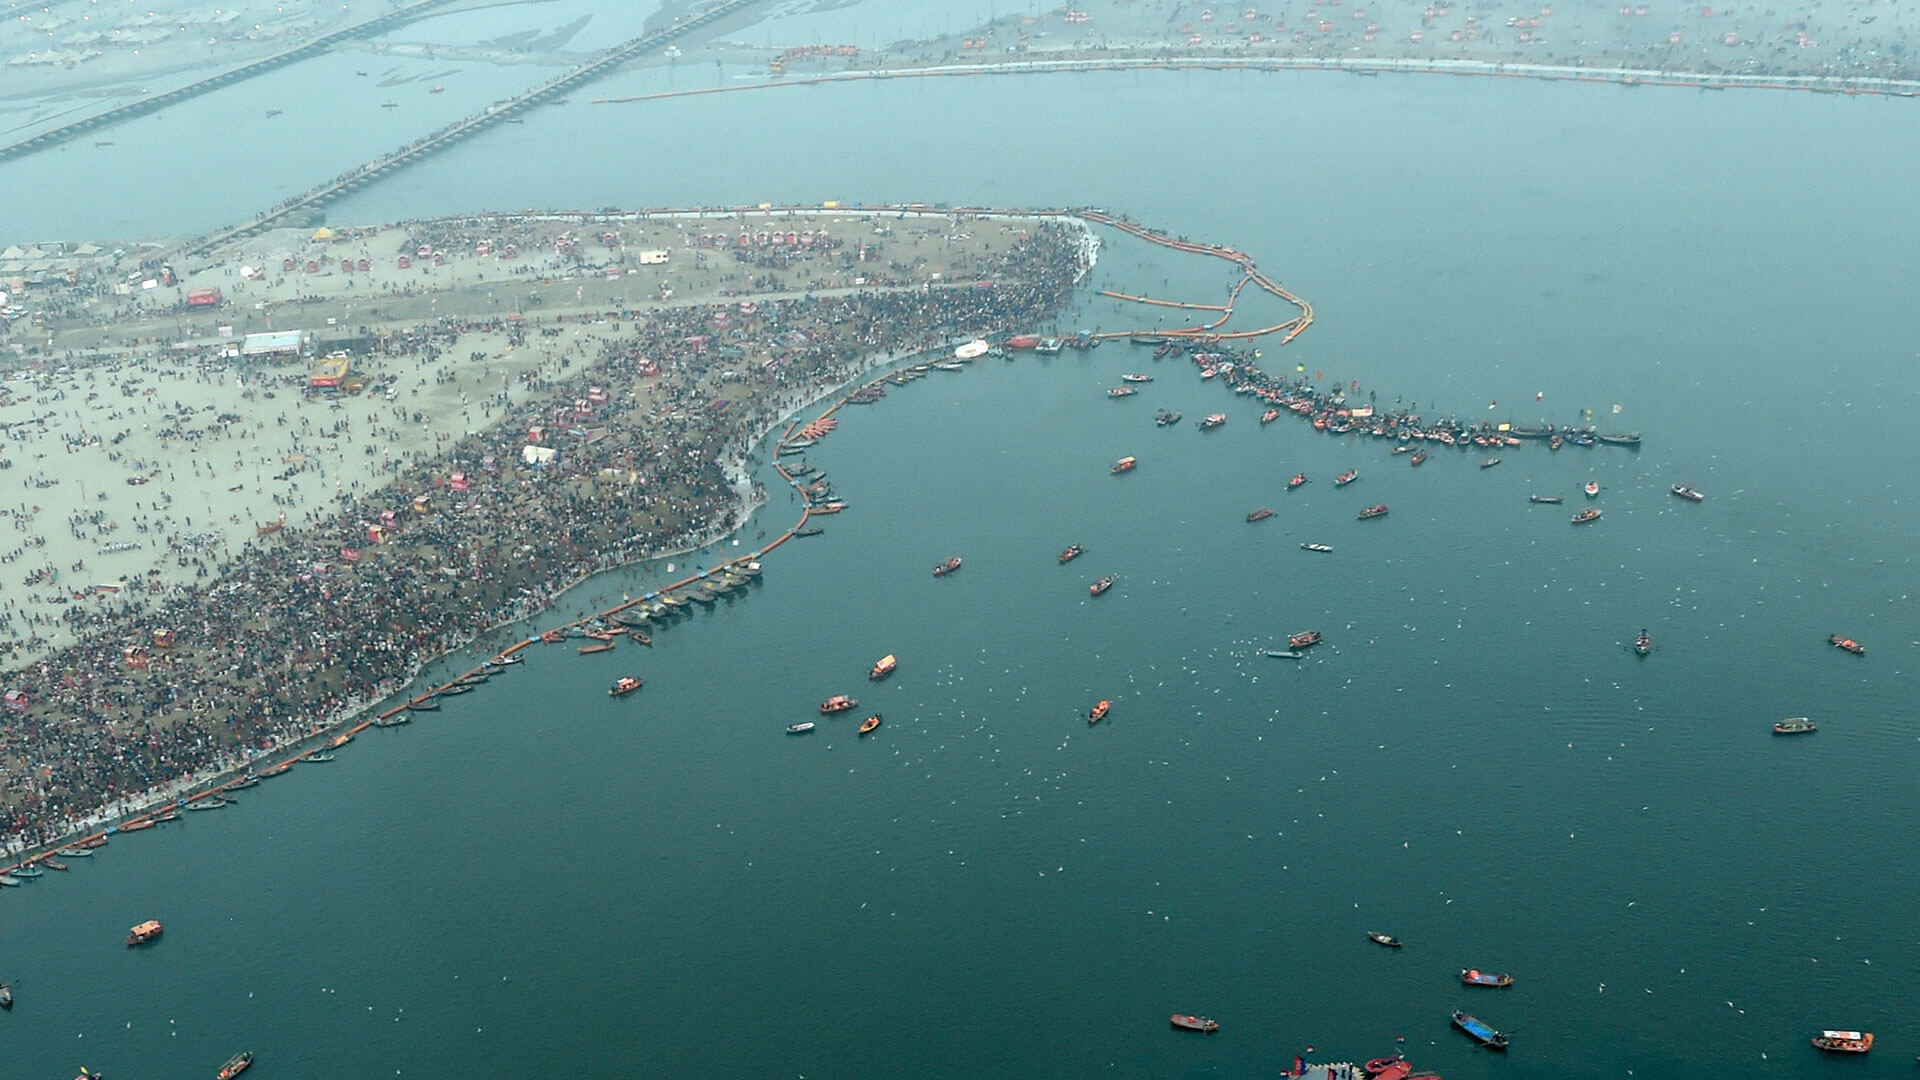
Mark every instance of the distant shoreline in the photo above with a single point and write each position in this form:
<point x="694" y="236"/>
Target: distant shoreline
<point x="1136" y="60"/>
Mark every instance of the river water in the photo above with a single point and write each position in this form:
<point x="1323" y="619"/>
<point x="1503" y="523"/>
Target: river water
<point x="539" y="880"/>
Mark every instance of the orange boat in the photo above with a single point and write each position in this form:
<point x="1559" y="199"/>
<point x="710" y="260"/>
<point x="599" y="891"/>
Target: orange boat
<point x="884" y="668"/>
<point x="947" y="567"/>
<point x="1304" y="639"/>
<point x="143" y="933"/>
<point x="871" y="722"/>
<point x="1125" y="464"/>
<point x="137" y="826"/>
<point x="1848" y="644"/>
<point x="627" y="685"/>
<point x="1270" y="416"/>
<point x="1844" y="1042"/>
<point x="641" y="636"/>
<point x="1298" y="479"/>
<point x="838" y="703"/>
<point x="552" y="637"/>
<point x="1099" y="712"/>
<point x="1073" y="552"/>
<point x="1587" y="516"/>
<point x="1346" y="478"/>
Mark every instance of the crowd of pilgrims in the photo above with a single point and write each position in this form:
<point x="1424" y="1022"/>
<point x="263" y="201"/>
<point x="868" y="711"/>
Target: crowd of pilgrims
<point x="309" y="625"/>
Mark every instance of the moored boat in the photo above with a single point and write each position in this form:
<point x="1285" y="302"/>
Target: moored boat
<point x="1316" y="547"/>
<point x="1125" y="464"/>
<point x="1795" y="725"/>
<point x="1373" y="512"/>
<point x="142" y="824"/>
<point x="53" y="864"/>
<point x="1099" y="711"/>
<point x="1073" y="552"/>
<point x="1147" y="339"/>
<point x="1587" y="516"/>
<point x="598" y="647"/>
<point x="1023" y="341"/>
<point x="1688" y="493"/>
<point x="1101" y="586"/>
<point x="423" y="704"/>
<point x="1476" y="977"/>
<point x="800" y="728"/>
<point x="1385" y="940"/>
<point x="1195" y="1023"/>
<point x="883" y="668"/>
<point x="1480" y="1031"/>
<point x="1630" y="438"/>
<point x="838" y="703"/>
<point x="947" y="567"/>
<point x="1303" y="640"/>
<point x="1346" y="478"/>
<point x="1643" y="644"/>
<point x="317" y="759"/>
<point x="1844" y="1042"/>
<point x="1261" y="514"/>
<point x="143" y="933"/>
<point x="871" y="722"/>
<point x="627" y="684"/>
<point x="236" y="1065"/>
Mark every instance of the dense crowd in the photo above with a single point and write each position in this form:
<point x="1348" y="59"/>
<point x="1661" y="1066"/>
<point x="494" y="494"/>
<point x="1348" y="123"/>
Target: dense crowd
<point x="306" y="627"/>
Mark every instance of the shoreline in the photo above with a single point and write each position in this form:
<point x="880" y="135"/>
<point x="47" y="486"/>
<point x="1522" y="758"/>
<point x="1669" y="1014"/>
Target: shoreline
<point x="736" y="461"/>
<point x="1240" y="60"/>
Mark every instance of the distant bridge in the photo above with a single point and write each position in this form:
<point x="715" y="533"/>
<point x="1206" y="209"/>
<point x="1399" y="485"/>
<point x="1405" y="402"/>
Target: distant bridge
<point x="226" y="78"/>
<point x="362" y="175"/>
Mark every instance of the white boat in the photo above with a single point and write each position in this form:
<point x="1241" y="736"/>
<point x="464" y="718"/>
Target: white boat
<point x="971" y="350"/>
<point x="800" y="728"/>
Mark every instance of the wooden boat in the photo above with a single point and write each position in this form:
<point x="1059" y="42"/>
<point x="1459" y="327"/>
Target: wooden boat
<point x="800" y="728"/>
<point x="1261" y="514"/>
<point x="74" y="853"/>
<point x="1419" y="458"/>
<point x="884" y="668"/>
<point x="1147" y="339"/>
<point x="395" y="720"/>
<point x="1848" y="644"/>
<point x="339" y="741"/>
<point x="1688" y="493"/>
<point x="1631" y="438"/>
<point x="213" y="804"/>
<point x="599" y="635"/>
<point x="1476" y="977"/>
<point x="1073" y="552"/>
<point x="641" y="636"/>
<point x="453" y="690"/>
<point x="552" y="637"/>
<point x="1136" y="377"/>
<point x="1592" y="489"/>
<point x="423" y="704"/>
<point x="316" y="759"/>
<point x="1100" y="586"/>
<point x="597" y="647"/>
<point x="811" y="530"/>
<point x="1374" y="512"/>
<point x="1099" y="712"/>
<point x="1550" y="499"/>
<point x="1795" y="725"/>
<point x="1304" y="639"/>
<point x="871" y="722"/>
<point x="239" y="1062"/>
<point x="1844" y="1042"/>
<point x="627" y="684"/>
<point x="1588" y="516"/>
<point x="1122" y="391"/>
<point x="1298" y="479"/>
<point x="1316" y="547"/>
<point x="1490" y="463"/>
<point x="1195" y="1023"/>
<point x="1164" y="418"/>
<point x="1213" y="421"/>
<point x="1480" y="1031"/>
<point x="1346" y="478"/>
<point x="53" y="864"/>
<point x="174" y="815"/>
<point x="1643" y="644"/>
<point x="947" y="567"/>
<point x="1384" y="940"/>
<point x="838" y="703"/>
<point x="93" y="842"/>
<point x="1269" y="416"/>
<point x="143" y="933"/>
<point x="1125" y="464"/>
